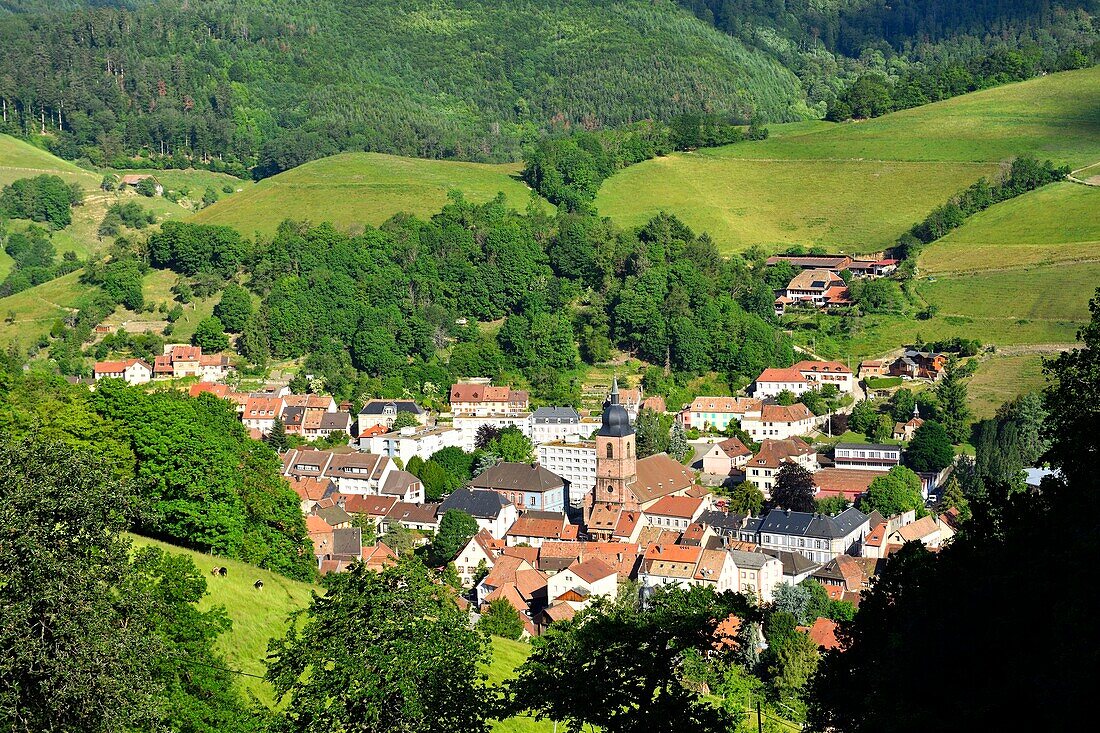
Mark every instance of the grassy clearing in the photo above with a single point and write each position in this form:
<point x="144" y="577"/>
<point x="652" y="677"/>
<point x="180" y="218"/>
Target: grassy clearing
<point x="855" y="187"/>
<point x="257" y="616"/>
<point x="19" y="159"/>
<point x="354" y="189"/>
<point x="850" y="206"/>
<point x="1057" y="223"/>
<point x="1002" y="378"/>
<point x="157" y="289"/>
<point x="35" y="310"/>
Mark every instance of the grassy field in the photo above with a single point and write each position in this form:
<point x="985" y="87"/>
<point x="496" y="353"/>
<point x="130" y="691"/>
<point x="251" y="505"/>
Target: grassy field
<point x="1057" y="223"/>
<point x="20" y="159"/>
<point x="353" y="189"/>
<point x="31" y="313"/>
<point x="259" y="616"/>
<point x="1002" y="378"/>
<point x="855" y="187"/>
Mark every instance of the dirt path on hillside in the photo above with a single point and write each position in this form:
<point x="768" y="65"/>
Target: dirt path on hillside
<point x="1090" y="181"/>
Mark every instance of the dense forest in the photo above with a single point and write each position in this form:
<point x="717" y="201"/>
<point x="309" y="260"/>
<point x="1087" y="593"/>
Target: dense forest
<point x="927" y="49"/>
<point x="398" y="307"/>
<point x="234" y="83"/>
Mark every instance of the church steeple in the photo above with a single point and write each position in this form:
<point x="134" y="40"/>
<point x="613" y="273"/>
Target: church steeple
<point x="616" y="421"/>
<point x="616" y="462"/>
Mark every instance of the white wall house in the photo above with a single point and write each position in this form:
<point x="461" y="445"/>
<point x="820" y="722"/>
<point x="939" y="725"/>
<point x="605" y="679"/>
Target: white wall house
<point x="412" y="441"/>
<point x="867" y="457"/>
<point x="132" y="371"/>
<point x="468" y="425"/>
<point x="779" y="422"/>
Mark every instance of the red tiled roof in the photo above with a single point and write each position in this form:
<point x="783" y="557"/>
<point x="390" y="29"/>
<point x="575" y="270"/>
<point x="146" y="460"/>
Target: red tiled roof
<point x="823" y="633"/>
<point x="218" y="390"/>
<point x="528" y="526"/>
<point x="822" y="367"/>
<point x="773" y="452"/>
<point x="733" y="448"/>
<point x="735" y="405"/>
<point x="591" y="570"/>
<point x="683" y="507"/>
<point x="876" y="536"/>
<point x="780" y="375"/>
<point x="316" y="525"/>
<point x="659" y="475"/>
<point x="786" y="413"/>
<point x="849" y="483"/>
<point x="112" y="367"/>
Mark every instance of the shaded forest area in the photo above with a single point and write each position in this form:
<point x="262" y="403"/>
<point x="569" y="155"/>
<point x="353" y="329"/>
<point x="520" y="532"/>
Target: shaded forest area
<point x="237" y="84"/>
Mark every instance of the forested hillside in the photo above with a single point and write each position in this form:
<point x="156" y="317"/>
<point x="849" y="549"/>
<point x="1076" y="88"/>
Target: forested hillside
<point x="279" y="83"/>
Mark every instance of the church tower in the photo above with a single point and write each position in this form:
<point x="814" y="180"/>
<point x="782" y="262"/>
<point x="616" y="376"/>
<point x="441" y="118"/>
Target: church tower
<point x="616" y="461"/>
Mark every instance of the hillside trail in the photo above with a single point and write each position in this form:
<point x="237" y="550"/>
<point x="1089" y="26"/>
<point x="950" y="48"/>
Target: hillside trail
<point x="1027" y="266"/>
<point x="1090" y="181"/>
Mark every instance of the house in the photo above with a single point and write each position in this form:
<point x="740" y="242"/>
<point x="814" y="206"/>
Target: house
<point x="403" y="486"/>
<point x="873" y="268"/>
<point x="850" y="574"/>
<point x="803" y="377"/>
<point x="556" y="556"/>
<point x="384" y="412"/>
<point x="316" y="423"/>
<point x="534" y="528"/>
<point x="484" y="399"/>
<point x="673" y="512"/>
<point x="833" y="263"/>
<point x="925" y="530"/>
<point x="822" y="633"/>
<point x="312" y="491"/>
<point x="631" y="400"/>
<point x="582" y="582"/>
<point x="819" y="288"/>
<point x="131" y="371"/>
<point x="762" y="467"/>
<point x="722" y="524"/>
<point x="757" y="573"/>
<point x="849" y="483"/>
<point x="527" y="485"/>
<point x="478" y="555"/>
<point x="819" y="537"/>
<point x="180" y="360"/>
<point x="874" y="544"/>
<point x="418" y="517"/>
<point x="333" y="514"/>
<point x="492" y="511"/>
<point x="260" y="413"/>
<point x="378" y="557"/>
<point x="468" y="425"/>
<point x="519" y="583"/>
<point x="871" y="368"/>
<point x="133" y="179"/>
<point x="866" y="456"/>
<point x="716" y="570"/>
<point x="325" y="402"/>
<point x="726" y="457"/>
<point x="717" y="413"/>
<point x="654" y="403"/>
<point x="321" y="534"/>
<point x="352" y="472"/>
<point x="408" y="442"/>
<point x="369" y="507"/>
<point x="667" y="564"/>
<point x="574" y="462"/>
<point x="915" y="364"/>
<point x="781" y="421"/>
<point x="549" y="424"/>
<point x="905" y="430"/>
<point x="796" y="566"/>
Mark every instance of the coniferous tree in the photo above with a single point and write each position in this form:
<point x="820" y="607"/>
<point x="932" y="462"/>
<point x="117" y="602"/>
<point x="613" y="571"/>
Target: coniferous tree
<point x="277" y="438"/>
<point x="954" y="409"/>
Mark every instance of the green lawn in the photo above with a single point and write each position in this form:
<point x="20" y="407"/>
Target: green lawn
<point x="1057" y="223"/>
<point x="19" y="159"/>
<point x="353" y="189"/>
<point x="855" y="187"/>
<point x="35" y="310"/>
<point x="1003" y="378"/>
<point x="257" y="616"/>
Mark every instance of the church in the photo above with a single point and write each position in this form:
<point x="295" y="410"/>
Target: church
<point x="627" y="485"/>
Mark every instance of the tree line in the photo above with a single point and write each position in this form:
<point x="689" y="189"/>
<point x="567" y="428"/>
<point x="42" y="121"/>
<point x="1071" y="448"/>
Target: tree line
<point x="397" y="307"/>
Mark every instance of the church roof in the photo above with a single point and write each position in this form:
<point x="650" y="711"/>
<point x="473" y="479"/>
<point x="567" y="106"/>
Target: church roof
<point x="616" y="421"/>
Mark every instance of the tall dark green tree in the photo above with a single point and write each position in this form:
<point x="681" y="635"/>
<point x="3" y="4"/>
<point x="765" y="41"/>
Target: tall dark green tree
<point x="455" y="530"/>
<point x="793" y="488"/>
<point x="954" y="408"/>
<point x="388" y="652"/>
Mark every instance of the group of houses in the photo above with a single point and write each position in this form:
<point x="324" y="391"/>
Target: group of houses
<point x="177" y="361"/>
<point x="819" y="284"/>
<point x="911" y="364"/>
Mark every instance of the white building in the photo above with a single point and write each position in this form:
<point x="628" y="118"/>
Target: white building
<point x="717" y="413"/>
<point x="353" y="473"/>
<point x="574" y="462"/>
<point x="867" y="456"/>
<point x="131" y="371"/>
<point x="583" y="582"/>
<point x="762" y="467"/>
<point x="817" y="536"/>
<point x="757" y="573"/>
<point x="411" y="441"/>
<point x="803" y="377"/>
<point x="780" y="422"/>
<point x="474" y="398"/>
<point x="549" y="424"/>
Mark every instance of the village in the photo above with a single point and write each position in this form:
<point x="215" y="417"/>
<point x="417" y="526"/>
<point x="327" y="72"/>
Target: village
<point x="586" y="516"/>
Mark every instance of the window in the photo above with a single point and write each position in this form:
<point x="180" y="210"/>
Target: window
<point x="610" y="451"/>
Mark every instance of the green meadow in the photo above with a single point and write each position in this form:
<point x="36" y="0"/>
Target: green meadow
<point x="1002" y="378"/>
<point x="855" y="187"/>
<point x="354" y="189"/>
